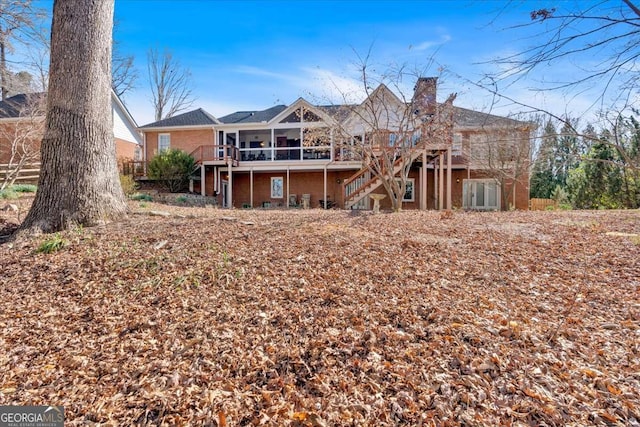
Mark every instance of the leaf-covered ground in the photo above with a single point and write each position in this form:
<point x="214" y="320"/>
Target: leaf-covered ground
<point x="314" y="318"/>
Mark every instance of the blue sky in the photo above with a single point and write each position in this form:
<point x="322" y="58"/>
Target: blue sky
<point x="256" y="54"/>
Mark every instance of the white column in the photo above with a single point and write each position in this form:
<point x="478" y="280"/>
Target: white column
<point x="423" y="182"/>
<point x="287" y="199"/>
<point x="435" y="185"/>
<point x="325" y="187"/>
<point x="441" y="183"/>
<point x="216" y="179"/>
<point x="230" y="189"/>
<point x="449" y="178"/>
<point x="203" y="176"/>
<point x="251" y="187"/>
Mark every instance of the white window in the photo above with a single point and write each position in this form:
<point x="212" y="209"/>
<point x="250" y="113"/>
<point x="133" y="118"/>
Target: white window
<point x="409" y="190"/>
<point x="456" y="148"/>
<point x="481" y="194"/>
<point x="164" y="141"/>
<point x="415" y="138"/>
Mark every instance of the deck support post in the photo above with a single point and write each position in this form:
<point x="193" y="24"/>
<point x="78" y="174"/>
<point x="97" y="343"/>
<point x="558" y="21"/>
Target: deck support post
<point x="230" y="189"/>
<point x="423" y="182"/>
<point x="449" y="172"/>
<point x="325" y="187"/>
<point x="251" y="187"/>
<point x="216" y="180"/>
<point x="203" y="175"/>
<point x="287" y="198"/>
<point x="441" y="182"/>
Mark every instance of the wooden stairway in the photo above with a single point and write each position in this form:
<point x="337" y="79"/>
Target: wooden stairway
<point x="361" y="184"/>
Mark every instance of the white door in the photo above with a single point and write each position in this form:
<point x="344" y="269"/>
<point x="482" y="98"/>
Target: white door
<point x="481" y="194"/>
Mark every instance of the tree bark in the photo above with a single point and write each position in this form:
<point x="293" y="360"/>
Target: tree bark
<point x="3" y="69"/>
<point x="79" y="182"/>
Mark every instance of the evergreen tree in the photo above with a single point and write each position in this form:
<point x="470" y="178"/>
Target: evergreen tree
<point x="597" y="181"/>
<point x="566" y="154"/>
<point x="542" y="179"/>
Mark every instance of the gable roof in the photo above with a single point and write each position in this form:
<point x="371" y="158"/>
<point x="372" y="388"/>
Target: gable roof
<point x="339" y="112"/>
<point x="14" y="106"/>
<point x="253" y="116"/>
<point x="197" y="117"/>
<point x="301" y="102"/>
<point x="470" y="118"/>
<point x="123" y="108"/>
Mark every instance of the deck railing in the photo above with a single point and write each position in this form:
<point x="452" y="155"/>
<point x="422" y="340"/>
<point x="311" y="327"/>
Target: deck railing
<point x="221" y="153"/>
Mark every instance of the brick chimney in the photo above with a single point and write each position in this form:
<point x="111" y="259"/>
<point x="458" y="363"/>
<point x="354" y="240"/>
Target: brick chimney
<point x="424" y="96"/>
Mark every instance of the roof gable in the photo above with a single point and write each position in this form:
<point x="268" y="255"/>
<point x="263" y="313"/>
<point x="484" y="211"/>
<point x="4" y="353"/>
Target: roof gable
<point x="197" y="117"/>
<point x="312" y="109"/>
<point x="464" y="117"/>
<point x="382" y="107"/>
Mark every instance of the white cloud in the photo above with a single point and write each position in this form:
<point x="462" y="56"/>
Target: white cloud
<point x="431" y="43"/>
<point x="316" y="84"/>
<point x="330" y="87"/>
<point x="256" y="71"/>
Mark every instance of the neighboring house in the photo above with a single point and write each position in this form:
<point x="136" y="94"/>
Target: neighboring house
<point x="22" y="127"/>
<point x="287" y="156"/>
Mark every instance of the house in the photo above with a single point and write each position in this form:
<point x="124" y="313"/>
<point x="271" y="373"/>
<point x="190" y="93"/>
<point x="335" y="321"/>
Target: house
<point x="298" y="154"/>
<point x="22" y="128"/>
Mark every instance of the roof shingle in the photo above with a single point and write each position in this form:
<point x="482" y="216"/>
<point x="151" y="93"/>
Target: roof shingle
<point x="15" y="106"/>
<point x="253" y="116"/>
<point x="197" y="117"/>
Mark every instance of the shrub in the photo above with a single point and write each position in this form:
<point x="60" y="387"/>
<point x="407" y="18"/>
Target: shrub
<point x="24" y="188"/>
<point x="182" y="199"/>
<point x="52" y="244"/>
<point x="173" y="168"/>
<point x="141" y="196"/>
<point x="560" y="196"/>
<point x="8" y="193"/>
<point x="129" y="185"/>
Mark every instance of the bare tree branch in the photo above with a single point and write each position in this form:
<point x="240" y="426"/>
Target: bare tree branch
<point x="19" y="21"/>
<point x="603" y="30"/>
<point x="123" y="72"/>
<point x="170" y="84"/>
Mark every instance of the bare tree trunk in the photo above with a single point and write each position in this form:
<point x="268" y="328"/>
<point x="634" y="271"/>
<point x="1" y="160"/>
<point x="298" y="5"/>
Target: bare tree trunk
<point x="79" y="181"/>
<point x="170" y="84"/>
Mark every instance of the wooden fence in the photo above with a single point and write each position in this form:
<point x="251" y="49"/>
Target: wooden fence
<point x="541" y="204"/>
<point x="28" y="174"/>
